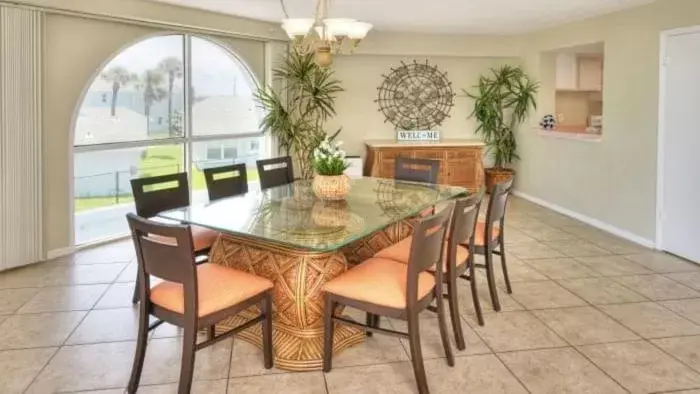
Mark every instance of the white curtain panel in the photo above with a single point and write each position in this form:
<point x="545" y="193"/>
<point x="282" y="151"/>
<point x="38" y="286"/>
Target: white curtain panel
<point x="21" y="219"/>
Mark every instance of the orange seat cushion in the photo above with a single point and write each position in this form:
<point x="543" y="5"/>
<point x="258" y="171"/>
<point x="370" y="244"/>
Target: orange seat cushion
<point x="380" y="282"/>
<point x="218" y="287"/>
<point x="481" y="230"/>
<point x="401" y="250"/>
<point x="202" y="238"/>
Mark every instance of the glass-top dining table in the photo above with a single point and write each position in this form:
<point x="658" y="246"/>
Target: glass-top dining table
<point x="288" y="235"/>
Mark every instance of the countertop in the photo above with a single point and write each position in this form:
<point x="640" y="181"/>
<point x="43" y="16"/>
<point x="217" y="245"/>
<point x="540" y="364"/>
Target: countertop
<point x="425" y="144"/>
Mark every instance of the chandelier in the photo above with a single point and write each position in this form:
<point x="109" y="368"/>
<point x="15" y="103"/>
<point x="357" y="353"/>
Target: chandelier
<point x="322" y="35"/>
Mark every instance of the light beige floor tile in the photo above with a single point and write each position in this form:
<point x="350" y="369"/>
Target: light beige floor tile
<point x="473" y="374"/>
<point x="518" y="271"/>
<point x="515" y="236"/>
<point x="64" y="298"/>
<point x="509" y="331"/>
<point x="657" y="287"/>
<point x="618" y="245"/>
<point x="584" y="325"/>
<point x="663" y="262"/>
<point x="542" y="232"/>
<point x="86" y="367"/>
<point x="117" y="252"/>
<point x="38" y="330"/>
<point x="19" y="367"/>
<point x="690" y="308"/>
<point x="378" y="349"/>
<point x="85" y="274"/>
<point x="288" y="383"/>
<point x="651" y="320"/>
<point x="543" y="295"/>
<point x="198" y="387"/>
<point x="577" y="248"/>
<point x="613" y="266"/>
<point x="599" y="291"/>
<point x="556" y="220"/>
<point x="686" y="349"/>
<point x="563" y="268"/>
<point x="163" y="357"/>
<point x="247" y="360"/>
<point x="129" y="273"/>
<point x="395" y="378"/>
<point x="117" y="296"/>
<point x="432" y="342"/>
<point x="559" y="371"/>
<point x="109" y="325"/>
<point x="13" y="299"/>
<point x="534" y="250"/>
<point x="641" y="368"/>
<point x="585" y="231"/>
<point x="466" y="303"/>
<point x="689" y="279"/>
<point x="35" y="275"/>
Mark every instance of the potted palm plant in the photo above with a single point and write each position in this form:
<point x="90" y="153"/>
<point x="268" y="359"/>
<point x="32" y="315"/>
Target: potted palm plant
<point x="296" y="113"/>
<point x="502" y="102"/>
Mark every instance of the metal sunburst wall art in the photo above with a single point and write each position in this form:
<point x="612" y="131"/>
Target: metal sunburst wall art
<point x="416" y="98"/>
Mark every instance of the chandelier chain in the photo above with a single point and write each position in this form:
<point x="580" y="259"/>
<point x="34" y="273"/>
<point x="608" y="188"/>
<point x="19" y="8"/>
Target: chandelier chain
<point x="284" y="9"/>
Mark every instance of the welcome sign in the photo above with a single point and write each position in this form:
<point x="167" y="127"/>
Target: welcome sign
<point x="417" y="135"/>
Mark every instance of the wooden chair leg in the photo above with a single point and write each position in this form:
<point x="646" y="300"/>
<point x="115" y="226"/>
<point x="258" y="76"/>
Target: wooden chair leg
<point x="211" y="332"/>
<point x="137" y="296"/>
<point x="141" y="343"/>
<point x="370" y="323"/>
<point x="443" y="326"/>
<point x="453" y="303"/>
<point x="267" y="330"/>
<point x="328" y="334"/>
<point x="488" y="257"/>
<point x="416" y="353"/>
<point x="475" y="293"/>
<point x="189" y="341"/>
<point x="509" y="288"/>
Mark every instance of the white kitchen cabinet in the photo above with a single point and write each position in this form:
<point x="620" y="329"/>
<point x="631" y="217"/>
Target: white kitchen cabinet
<point x="590" y="73"/>
<point x="579" y="72"/>
<point x="567" y="71"/>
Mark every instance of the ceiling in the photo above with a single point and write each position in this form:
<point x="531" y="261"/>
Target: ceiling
<point x="430" y="16"/>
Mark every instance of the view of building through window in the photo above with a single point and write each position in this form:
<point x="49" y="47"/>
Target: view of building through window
<point x="135" y="121"/>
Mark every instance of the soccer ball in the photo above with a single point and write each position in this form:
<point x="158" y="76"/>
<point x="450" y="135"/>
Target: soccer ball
<point x="548" y="122"/>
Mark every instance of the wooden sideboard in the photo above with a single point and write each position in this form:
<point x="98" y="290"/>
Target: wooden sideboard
<point x="460" y="160"/>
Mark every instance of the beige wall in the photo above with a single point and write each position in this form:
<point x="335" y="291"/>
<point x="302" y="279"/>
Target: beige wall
<point x="359" y="116"/>
<point x="613" y="181"/>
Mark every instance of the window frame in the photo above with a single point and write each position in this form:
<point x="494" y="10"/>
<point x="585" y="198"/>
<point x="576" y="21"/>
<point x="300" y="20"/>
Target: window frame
<point x="188" y="139"/>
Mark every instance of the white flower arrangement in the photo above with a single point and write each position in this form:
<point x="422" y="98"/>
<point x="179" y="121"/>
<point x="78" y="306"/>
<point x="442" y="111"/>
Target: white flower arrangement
<point x="329" y="158"/>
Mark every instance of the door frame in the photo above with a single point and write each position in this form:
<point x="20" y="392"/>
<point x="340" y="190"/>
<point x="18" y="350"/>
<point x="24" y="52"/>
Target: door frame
<point x="661" y="129"/>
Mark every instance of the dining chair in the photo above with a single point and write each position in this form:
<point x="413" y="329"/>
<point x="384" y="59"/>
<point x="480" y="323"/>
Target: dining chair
<point x="153" y="195"/>
<point x="275" y="172"/>
<point x="191" y="296"/>
<point x="416" y="170"/>
<point x="489" y="238"/>
<point x="458" y="262"/>
<point x="383" y="287"/>
<point x="226" y="181"/>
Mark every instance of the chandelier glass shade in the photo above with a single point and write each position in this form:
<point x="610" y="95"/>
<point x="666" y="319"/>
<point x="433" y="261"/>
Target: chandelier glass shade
<point x="323" y="35"/>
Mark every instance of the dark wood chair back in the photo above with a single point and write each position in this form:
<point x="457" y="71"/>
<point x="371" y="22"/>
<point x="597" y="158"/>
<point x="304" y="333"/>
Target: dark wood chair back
<point x="417" y="170"/>
<point x="427" y="248"/>
<point x="226" y="181"/>
<point x="464" y="219"/>
<point x="496" y="211"/>
<point x="156" y="194"/>
<point x="275" y="172"/>
<point x="164" y="251"/>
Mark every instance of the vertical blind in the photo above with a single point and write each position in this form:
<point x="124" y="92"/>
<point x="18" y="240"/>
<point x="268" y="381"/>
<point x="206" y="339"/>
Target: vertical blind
<point x="21" y="162"/>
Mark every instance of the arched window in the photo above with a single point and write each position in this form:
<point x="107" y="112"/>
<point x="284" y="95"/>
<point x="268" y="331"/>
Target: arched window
<point x="165" y="104"/>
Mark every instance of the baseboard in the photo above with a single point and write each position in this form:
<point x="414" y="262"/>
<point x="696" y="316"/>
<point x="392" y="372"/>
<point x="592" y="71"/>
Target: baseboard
<point x="56" y="253"/>
<point x="588" y="220"/>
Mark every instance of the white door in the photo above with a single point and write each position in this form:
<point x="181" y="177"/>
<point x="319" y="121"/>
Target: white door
<point x="680" y="146"/>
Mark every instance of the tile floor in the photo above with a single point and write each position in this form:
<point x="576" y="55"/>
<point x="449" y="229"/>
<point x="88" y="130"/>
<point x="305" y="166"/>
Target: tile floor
<point x="590" y="313"/>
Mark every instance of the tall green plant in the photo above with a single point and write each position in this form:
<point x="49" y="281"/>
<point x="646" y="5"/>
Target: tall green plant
<point x="502" y="102"/>
<point x="296" y="113"/>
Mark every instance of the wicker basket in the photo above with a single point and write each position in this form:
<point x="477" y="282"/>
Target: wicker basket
<point x="331" y="188"/>
<point x="495" y="176"/>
